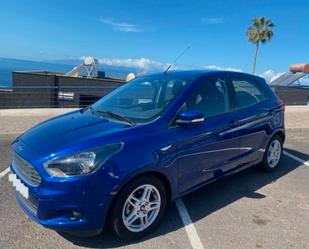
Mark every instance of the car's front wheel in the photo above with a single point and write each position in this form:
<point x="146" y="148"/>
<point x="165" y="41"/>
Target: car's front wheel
<point x="272" y="154"/>
<point x="138" y="208"/>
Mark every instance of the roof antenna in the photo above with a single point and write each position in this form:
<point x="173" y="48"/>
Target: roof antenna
<point x="176" y="59"/>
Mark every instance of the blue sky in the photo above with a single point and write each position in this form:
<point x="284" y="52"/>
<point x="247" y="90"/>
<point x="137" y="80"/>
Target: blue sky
<point x="126" y="31"/>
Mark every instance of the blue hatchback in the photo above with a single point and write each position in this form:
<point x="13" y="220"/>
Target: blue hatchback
<point x="158" y="137"/>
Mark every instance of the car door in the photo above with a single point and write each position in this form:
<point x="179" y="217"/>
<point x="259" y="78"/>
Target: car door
<point x="209" y="149"/>
<point x="255" y="112"/>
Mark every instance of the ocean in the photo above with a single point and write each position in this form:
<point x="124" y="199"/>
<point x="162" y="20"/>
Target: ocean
<point x="7" y="66"/>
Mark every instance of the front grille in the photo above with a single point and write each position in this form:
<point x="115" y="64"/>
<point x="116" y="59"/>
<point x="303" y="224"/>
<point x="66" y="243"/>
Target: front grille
<point x="25" y="171"/>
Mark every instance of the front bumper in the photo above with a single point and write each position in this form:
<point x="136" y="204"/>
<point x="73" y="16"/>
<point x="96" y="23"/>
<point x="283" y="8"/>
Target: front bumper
<point x="67" y="206"/>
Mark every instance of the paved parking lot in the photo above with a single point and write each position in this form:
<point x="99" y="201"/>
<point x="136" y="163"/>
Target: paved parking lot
<point x="248" y="210"/>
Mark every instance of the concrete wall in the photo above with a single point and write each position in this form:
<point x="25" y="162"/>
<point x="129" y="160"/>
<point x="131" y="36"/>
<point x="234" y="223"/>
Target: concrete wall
<point x="86" y="91"/>
<point x="27" y="99"/>
<point x="20" y="80"/>
<point x="41" y="90"/>
<point x="292" y="95"/>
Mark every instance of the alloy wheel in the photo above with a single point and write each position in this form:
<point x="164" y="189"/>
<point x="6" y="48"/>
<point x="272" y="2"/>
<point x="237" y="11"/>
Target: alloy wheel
<point x="274" y="153"/>
<point x="141" y="208"/>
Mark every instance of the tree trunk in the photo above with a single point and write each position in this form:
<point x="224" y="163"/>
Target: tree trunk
<point x="255" y="57"/>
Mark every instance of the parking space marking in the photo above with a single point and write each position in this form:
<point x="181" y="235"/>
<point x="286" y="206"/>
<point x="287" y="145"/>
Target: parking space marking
<point x="188" y="224"/>
<point x="4" y="172"/>
<point x="296" y="158"/>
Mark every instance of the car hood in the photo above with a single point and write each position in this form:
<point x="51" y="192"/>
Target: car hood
<point x="66" y="132"/>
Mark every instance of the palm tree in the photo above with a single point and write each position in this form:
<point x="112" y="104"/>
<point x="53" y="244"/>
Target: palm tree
<point x="260" y="31"/>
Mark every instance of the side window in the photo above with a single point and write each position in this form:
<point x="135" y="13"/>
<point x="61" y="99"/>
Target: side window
<point x="170" y="90"/>
<point x="247" y="93"/>
<point x="211" y="98"/>
<point x="174" y="88"/>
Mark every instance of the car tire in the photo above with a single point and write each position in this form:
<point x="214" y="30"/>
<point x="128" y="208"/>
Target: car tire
<point x="138" y="208"/>
<point x="273" y="154"/>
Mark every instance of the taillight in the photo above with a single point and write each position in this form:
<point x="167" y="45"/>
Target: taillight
<point x="281" y="104"/>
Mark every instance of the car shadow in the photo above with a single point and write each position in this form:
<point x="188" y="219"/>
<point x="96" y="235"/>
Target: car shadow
<point x="204" y="201"/>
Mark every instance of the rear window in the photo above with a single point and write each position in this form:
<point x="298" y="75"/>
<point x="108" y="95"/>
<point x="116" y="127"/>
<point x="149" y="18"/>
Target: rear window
<point x="247" y="93"/>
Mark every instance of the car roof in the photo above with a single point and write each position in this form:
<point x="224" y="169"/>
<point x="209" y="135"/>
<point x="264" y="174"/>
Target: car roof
<point x="199" y="73"/>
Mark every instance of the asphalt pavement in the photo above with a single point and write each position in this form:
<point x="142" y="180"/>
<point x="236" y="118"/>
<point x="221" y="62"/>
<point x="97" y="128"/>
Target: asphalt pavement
<point x="251" y="209"/>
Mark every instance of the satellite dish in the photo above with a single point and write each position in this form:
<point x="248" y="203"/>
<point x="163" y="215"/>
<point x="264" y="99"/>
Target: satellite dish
<point x="90" y="61"/>
<point x="89" y="64"/>
<point x="130" y="76"/>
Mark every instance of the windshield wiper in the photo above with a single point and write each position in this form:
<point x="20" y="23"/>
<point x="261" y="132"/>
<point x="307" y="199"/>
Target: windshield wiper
<point x="115" y="115"/>
<point x="86" y="108"/>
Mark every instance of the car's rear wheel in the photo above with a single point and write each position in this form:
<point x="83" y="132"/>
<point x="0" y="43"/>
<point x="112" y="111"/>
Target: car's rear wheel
<point x="139" y="208"/>
<point x="273" y="153"/>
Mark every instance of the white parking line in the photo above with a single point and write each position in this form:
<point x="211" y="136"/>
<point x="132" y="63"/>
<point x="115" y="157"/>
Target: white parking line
<point x="188" y="224"/>
<point x="186" y="219"/>
<point x="4" y="172"/>
<point x="183" y="212"/>
<point x="296" y="158"/>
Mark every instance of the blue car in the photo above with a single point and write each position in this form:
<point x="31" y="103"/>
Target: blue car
<point x="118" y="162"/>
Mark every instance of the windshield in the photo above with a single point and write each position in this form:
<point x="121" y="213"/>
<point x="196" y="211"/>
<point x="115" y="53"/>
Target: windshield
<point x="143" y="99"/>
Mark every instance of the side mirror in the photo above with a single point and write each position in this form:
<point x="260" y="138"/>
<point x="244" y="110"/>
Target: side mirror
<point x="190" y="118"/>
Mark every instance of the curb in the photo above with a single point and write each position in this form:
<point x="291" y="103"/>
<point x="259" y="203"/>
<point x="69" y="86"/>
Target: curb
<point x="297" y="130"/>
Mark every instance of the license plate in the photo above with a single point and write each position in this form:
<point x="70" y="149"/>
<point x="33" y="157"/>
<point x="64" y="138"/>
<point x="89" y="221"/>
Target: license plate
<point x="19" y="186"/>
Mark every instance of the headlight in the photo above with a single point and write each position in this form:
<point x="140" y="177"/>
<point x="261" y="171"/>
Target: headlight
<point x="82" y="163"/>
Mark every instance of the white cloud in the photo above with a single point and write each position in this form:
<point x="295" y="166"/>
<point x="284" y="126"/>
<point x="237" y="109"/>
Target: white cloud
<point x="140" y="63"/>
<point x="121" y="26"/>
<point x="143" y="64"/>
<point x="146" y="64"/>
<point x="270" y="75"/>
<point x="212" y="21"/>
<point x="214" y="67"/>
